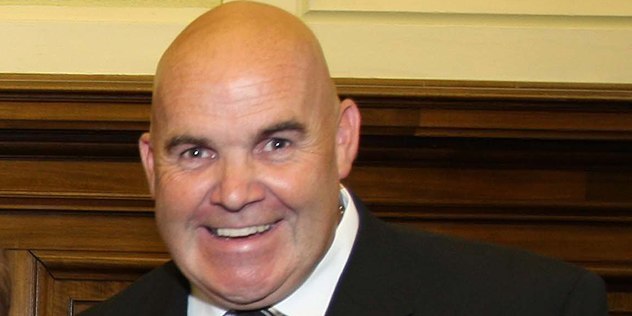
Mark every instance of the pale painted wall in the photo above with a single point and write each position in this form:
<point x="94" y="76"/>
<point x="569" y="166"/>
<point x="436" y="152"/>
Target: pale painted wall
<point x="536" y="40"/>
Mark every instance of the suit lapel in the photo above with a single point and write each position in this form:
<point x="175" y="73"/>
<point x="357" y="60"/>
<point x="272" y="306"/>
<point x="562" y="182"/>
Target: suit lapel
<point x="371" y="283"/>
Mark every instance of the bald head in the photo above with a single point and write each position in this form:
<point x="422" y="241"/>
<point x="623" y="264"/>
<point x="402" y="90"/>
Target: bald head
<point x="248" y="28"/>
<point x="245" y="39"/>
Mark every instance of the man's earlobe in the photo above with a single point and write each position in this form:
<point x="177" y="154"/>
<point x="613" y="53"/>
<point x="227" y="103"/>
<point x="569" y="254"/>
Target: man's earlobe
<point x="147" y="158"/>
<point x="347" y="137"/>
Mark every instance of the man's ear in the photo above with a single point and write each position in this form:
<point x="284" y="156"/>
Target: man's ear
<point x="347" y="137"/>
<point x="147" y="158"/>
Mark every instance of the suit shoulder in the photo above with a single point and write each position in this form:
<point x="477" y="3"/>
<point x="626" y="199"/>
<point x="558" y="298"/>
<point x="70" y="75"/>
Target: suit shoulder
<point x="458" y="252"/>
<point x="514" y="279"/>
<point x="158" y="292"/>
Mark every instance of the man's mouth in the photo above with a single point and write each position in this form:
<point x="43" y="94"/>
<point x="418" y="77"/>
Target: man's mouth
<point x="240" y="232"/>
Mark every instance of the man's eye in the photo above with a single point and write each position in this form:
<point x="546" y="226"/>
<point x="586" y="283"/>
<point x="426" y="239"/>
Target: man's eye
<point x="276" y="144"/>
<point x="197" y="153"/>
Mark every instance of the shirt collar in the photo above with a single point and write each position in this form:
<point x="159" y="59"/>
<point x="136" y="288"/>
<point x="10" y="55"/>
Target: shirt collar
<point x="313" y="296"/>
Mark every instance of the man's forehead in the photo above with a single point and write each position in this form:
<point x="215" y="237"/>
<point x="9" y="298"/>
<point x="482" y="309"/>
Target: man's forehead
<point x="242" y="102"/>
<point x="240" y="96"/>
<point x="242" y="85"/>
<point x="243" y="108"/>
<point x="259" y="89"/>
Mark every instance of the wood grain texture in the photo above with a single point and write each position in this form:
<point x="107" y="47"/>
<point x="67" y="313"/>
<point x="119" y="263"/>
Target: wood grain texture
<point x="539" y="166"/>
<point x="22" y="265"/>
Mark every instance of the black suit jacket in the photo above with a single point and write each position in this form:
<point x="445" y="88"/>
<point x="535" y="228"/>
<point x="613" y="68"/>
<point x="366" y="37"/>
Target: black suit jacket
<point x="393" y="271"/>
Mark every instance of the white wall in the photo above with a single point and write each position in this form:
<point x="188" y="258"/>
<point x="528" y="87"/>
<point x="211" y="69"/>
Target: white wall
<point x="539" y="40"/>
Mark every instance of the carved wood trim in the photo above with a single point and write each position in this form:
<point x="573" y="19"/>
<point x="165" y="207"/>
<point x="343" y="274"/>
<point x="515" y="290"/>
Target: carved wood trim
<point x="63" y="86"/>
<point x="90" y="265"/>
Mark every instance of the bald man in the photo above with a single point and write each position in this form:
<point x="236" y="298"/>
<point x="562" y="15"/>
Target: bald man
<point x="247" y="147"/>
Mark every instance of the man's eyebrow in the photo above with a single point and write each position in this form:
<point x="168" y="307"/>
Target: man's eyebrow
<point x="184" y="139"/>
<point x="291" y="126"/>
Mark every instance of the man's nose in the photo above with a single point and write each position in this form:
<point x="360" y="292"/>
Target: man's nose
<point x="237" y="185"/>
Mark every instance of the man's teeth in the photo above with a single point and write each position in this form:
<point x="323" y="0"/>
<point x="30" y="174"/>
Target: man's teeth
<point x="241" y="232"/>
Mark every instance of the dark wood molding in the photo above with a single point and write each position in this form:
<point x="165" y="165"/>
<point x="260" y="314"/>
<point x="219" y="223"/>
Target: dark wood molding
<point x="27" y="86"/>
<point x="540" y="166"/>
<point x="406" y="103"/>
<point x="582" y="129"/>
<point x="87" y="265"/>
<point x="84" y="110"/>
<point x="66" y="87"/>
<point x="489" y="90"/>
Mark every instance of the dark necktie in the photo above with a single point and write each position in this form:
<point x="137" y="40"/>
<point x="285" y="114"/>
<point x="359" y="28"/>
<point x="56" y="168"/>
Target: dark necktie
<point x="259" y="312"/>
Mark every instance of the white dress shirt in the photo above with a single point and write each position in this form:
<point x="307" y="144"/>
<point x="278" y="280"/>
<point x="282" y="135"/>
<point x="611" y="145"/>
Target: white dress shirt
<point x="313" y="296"/>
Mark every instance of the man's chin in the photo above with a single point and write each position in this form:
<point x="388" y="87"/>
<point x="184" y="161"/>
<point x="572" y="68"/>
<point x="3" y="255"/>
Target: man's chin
<point x="243" y="298"/>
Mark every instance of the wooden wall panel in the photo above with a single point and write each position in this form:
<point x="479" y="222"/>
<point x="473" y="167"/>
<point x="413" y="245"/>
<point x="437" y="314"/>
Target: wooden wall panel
<point x="85" y="178"/>
<point x="67" y="282"/>
<point x="23" y="267"/>
<point x="544" y="167"/>
<point x="78" y="230"/>
<point x="78" y="280"/>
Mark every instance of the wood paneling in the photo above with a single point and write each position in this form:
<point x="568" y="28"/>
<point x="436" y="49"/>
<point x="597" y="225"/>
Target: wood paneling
<point x="67" y="282"/>
<point x="544" y="167"/>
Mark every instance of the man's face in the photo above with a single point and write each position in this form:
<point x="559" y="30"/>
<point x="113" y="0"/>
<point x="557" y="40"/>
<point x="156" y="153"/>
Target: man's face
<point x="245" y="177"/>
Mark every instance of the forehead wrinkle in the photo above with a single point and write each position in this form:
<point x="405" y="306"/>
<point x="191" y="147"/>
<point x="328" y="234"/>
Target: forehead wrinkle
<point x="262" y="80"/>
<point x="257" y="89"/>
